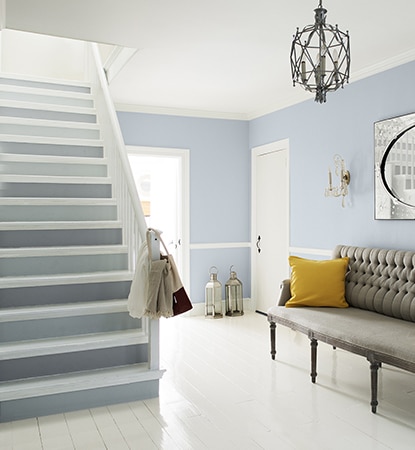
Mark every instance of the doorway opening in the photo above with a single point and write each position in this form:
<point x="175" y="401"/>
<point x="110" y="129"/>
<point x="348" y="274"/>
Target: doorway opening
<point x="161" y="176"/>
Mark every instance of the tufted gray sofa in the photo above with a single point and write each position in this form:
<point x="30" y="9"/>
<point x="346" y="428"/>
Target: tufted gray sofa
<point x="379" y="324"/>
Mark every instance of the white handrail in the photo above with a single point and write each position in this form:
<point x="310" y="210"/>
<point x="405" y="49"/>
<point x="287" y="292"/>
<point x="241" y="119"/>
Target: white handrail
<point x="125" y="192"/>
<point x="129" y="205"/>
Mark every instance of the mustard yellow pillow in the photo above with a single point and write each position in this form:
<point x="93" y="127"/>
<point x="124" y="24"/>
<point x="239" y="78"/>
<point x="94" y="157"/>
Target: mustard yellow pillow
<point x="317" y="283"/>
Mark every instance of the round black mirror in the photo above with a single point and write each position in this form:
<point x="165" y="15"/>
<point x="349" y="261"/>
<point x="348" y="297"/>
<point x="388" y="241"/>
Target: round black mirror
<point x="397" y="167"/>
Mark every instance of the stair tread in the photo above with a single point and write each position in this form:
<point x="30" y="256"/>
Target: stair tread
<point x="44" y="79"/>
<point x="19" y="104"/>
<point x="65" y="310"/>
<point x="77" y="381"/>
<point x="48" y="123"/>
<point x="63" y="279"/>
<point x="53" y="159"/>
<point x="25" y="252"/>
<point x="68" y="344"/>
<point x="73" y="225"/>
<point x="61" y="179"/>
<point x="51" y="140"/>
<point x="43" y="201"/>
<point x="45" y="91"/>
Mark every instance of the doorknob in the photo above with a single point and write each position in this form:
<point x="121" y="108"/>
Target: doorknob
<point x="258" y="242"/>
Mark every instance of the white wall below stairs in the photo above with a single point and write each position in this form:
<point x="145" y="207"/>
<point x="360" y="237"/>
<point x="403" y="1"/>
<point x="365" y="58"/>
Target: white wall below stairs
<point x="42" y="56"/>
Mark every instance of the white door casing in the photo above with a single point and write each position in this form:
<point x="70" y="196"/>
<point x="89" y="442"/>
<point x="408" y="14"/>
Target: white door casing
<point x="175" y="187"/>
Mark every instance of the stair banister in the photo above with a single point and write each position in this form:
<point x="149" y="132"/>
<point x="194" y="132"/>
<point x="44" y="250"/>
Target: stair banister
<point x="119" y="141"/>
<point x="131" y="212"/>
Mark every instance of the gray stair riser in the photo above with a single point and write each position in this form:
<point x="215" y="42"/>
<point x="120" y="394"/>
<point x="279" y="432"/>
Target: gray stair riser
<point x="30" y="330"/>
<point x="73" y="401"/>
<point x="26" y="213"/>
<point x="52" y="169"/>
<point x="53" y="265"/>
<point x="49" y="131"/>
<point x="45" y="85"/>
<point x="57" y="238"/>
<point x="55" y="190"/>
<point x="63" y="294"/>
<point x="72" y="362"/>
<point x="23" y="148"/>
<point x="55" y="302"/>
<point x="8" y="111"/>
<point x="48" y="99"/>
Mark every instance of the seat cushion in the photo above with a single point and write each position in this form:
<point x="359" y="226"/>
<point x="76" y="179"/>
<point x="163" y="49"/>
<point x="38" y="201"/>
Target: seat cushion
<point x="367" y="330"/>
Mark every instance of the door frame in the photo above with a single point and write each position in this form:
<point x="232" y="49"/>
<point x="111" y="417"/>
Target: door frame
<point x="184" y="163"/>
<point x="281" y="145"/>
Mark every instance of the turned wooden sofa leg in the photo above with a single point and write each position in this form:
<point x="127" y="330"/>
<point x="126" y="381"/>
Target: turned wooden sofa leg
<point x="272" y="327"/>
<point x="374" y="367"/>
<point x="313" y="343"/>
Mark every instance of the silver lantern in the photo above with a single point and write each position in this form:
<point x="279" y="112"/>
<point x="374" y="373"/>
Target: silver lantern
<point x="213" y="295"/>
<point x="233" y="296"/>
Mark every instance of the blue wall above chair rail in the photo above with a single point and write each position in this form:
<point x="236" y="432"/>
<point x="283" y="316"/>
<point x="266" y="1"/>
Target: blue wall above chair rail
<point x="220" y="171"/>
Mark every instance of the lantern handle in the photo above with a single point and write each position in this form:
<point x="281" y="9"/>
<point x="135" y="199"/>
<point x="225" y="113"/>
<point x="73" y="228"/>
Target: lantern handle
<point x="213" y="267"/>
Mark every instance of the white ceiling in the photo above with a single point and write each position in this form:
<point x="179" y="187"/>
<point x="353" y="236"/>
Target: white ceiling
<point x="225" y="58"/>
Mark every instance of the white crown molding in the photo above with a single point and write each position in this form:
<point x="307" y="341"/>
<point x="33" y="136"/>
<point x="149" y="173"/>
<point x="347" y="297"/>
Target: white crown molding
<point x="125" y="107"/>
<point x="387" y="64"/>
<point x="374" y="69"/>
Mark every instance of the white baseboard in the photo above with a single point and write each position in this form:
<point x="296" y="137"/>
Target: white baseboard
<point x="199" y="308"/>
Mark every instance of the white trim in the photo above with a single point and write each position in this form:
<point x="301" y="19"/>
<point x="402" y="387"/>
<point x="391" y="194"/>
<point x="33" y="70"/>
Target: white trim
<point x="311" y="251"/>
<point x="125" y="107"/>
<point x="209" y="246"/>
<point x="117" y="59"/>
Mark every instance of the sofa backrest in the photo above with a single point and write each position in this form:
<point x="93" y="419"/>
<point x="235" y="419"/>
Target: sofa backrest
<point x="380" y="280"/>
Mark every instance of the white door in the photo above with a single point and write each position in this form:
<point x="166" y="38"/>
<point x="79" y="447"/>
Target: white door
<point x="270" y="222"/>
<point x="161" y="176"/>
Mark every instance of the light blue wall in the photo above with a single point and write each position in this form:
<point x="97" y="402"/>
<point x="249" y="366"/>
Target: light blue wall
<point x="344" y="125"/>
<point x="220" y="162"/>
<point x="219" y="187"/>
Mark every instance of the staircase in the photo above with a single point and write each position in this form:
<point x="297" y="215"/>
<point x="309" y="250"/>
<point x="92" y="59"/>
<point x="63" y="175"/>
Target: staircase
<point x="66" y="339"/>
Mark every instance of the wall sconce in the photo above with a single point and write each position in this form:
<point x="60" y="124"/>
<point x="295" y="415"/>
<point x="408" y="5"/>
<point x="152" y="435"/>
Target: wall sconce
<point x="344" y="175"/>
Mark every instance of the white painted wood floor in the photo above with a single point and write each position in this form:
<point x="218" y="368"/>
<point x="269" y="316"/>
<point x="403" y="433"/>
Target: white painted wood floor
<point x="222" y="391"/>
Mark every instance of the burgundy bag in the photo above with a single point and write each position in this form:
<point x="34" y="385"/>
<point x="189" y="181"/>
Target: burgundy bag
<point x="181" y="302"/>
